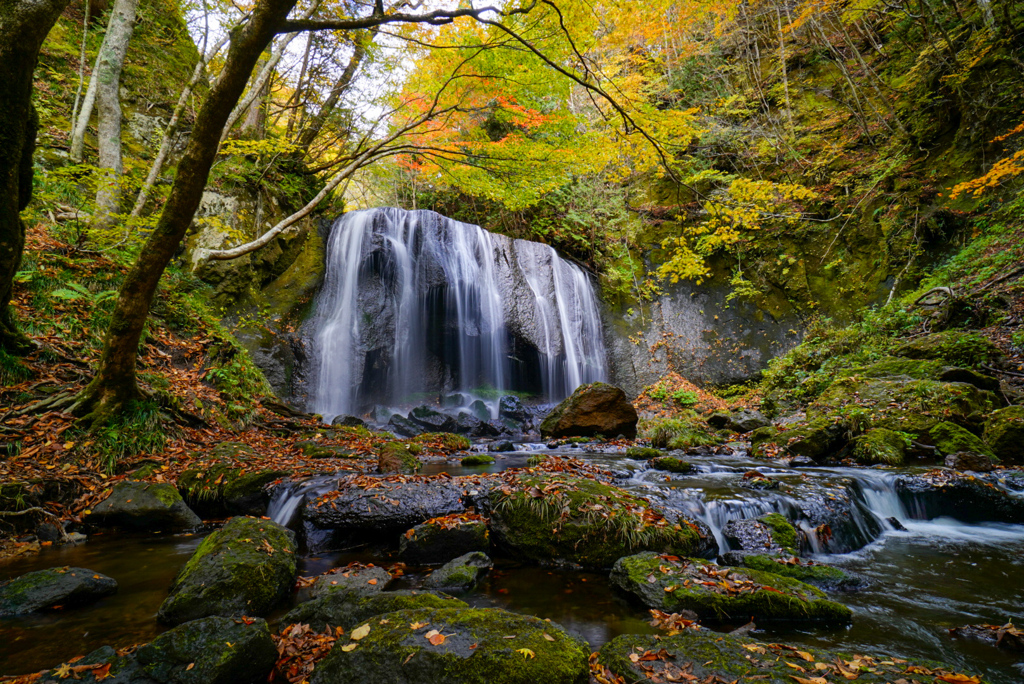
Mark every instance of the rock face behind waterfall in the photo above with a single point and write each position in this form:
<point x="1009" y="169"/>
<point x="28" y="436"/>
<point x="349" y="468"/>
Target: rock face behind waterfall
<point x="594" y="409"/>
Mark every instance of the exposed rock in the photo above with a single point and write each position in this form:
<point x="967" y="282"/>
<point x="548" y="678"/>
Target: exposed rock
<point x="819" y="439"/>
<point x="144" y="506"/>
<point x="347" y="610"/>
<point x="971" y="377"/>
<point x="475" y="649"/>
<point x="501" y="446"/>
<point x="671" y="464"/>
<point x="460" y="574"/>
<point x="360" y="581"/>
<point x="432" y="420"/>
<point x="717" y="593"/>
<point x="1007" y="637"/>
<point x="348" y="421"/>
<point x="880" y="446"/>
<point x="769" y="534"/>
<point x="950" y="438"/>
<point x="550" y="519"/>
<point x="388" y="508"/>
<point x="223" y="489"/>
<point x="44" y="589"/>
<point x="1004" y="433"/>
<point x="395" y="457"/>
<point x="512" y="408"/>
<point x="594" y="409"/>
<point x="245" y="568"/>
<point x="112" y="669"/>
<point x="805" y="570"/>
<point x="709" y="656"/>
<point x="967" y="460"/>
<point x="477" y="460"/>
<point x="403" y="426"/>
<point x="441" y="540"/>
<point x="957" y="495"/>
<point x="213" y="650"/>
<point x="643" y="453"/>
<point x="953" y="347"/>
<point x="744" y="421"/>
<point x="479" y="410"/>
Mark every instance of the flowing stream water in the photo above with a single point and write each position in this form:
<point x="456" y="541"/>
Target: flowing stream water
<point x="414" y="304"/>
<point x="917" y="578"/>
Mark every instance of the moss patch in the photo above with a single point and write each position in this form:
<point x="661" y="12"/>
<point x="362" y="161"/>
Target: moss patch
<point x="477" y="460"/>
<point x="881" y="446"/>
<point x="782" y="531"/>
<point x="949" y="438"/>
<point x="802" y="570"/>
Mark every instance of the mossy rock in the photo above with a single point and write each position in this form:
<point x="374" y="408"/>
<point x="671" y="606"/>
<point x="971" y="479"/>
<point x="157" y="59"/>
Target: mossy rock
<point x="558" y="519"/>
<point x="245" y="568"/>
<point x="880" y="445"/>
<point x="953" y="347"/>
<point x="222" y="489"/>
<point x="673" y="584"/>
<point x="149" y="506"/>
<point x="477" y="460"/>
<point x="782" y="531"/>
<point x="712" y="656"/>
<point x="361" y="581"/>
<point x="122" y="669"/>
<point x="213" y="650"/>
<point x="803" y="570"/>
<point x="950" y="438"/>
<point x="769" y="534"/>
<point x="42" y="589"/>
<point x="894" y="367"/>
<point x="643" y="453"/>
<point x="594" y="409"/>
<point x="671" y="464"/>
<point x="441" y="540"/>
<point x="536" y="460"/>
<point x="447" y="440"/>
<point x="476" y="650"/>
<point x="348" y="610"/>
<point x="762" y="437"/>
<point x="460" y="574"/>
<point x="818" y="439"/>
<point x="1004" y="433"/>
<point x="314" y="449"/>
<point x="395" y="457"/>
<point x="913" y="406"/>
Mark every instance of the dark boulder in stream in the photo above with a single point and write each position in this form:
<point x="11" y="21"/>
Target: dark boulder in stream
<point x="346" y="610"/>
<point x="594" y="409"/>
<point x="214" y="650"/>
<point x="245" y="568"/>
<point x="360" y="581"/>
<point x="456" y="646"/>
<point x="958" y="495"/>
<point x="672" y="584"/>
<point x="438" y="541"/>
<point x="53" y="587"/>
<point x="707" y="656"/>
<point x="144" y="506"/>
<point x="460" y="574"/>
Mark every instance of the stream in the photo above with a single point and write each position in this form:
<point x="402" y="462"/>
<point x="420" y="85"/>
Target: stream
<point x="916" y="578"/>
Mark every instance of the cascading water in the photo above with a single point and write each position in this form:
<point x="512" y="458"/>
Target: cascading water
<point x="417" y="303"/>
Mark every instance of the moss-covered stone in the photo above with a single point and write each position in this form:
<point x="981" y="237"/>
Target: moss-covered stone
<point x="547" y="519"/>
<point x="671" y="464"/>
<point x="395" y="457"/>
<point x="151" y="506"/>
<point x="314" y="449"/>
<point x="446" y="440"/>
<point x="44" y="589"/>
<point x="213" y="650"/>
<point x="1004" y="433"/>
<point x="222" y="489"/>
<point x="817" y="439"/>
<point x="712" y="656"/>
<point x="438" y="541"/>
<point x="460" y="574"/>
<point x="594" y="409"/>
<point x="348" y="610"/>
<point x="477" y="460"/>
<point x="360" y="580"/>
<point x="475" y="650"/>
<point x="245" y="568"/>
<point x="953" y="347"/>
<point x="880" y="446"/>
<point x="761" y="438"/>
<point x="673" y="584"/>
<point x="643" y="453"/>
<point x="803" y="570"/>
<point x="894" y="367"/>
<point x="782" y="531"/>
<point x="950" y="438"/>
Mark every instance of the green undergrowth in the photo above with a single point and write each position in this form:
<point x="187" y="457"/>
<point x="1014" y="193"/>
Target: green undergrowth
<point x="685" y="431"/>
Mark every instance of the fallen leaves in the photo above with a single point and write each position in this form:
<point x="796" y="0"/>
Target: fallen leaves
<point x="359" y="632"/>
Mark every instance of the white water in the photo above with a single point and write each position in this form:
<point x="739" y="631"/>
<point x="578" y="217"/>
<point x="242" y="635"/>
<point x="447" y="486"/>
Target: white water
<point x="416" y="303"/>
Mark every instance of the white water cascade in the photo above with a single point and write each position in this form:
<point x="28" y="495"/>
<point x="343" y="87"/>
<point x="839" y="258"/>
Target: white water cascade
<point x="415" y="304"/>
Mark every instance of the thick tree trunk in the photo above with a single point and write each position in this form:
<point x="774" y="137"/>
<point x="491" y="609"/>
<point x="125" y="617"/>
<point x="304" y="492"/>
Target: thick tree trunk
<point x="23" y="26"/>
<point x="115" y="382"/>
<point x="108" y="110"/>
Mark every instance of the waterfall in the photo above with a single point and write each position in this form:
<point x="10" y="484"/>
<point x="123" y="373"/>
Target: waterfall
<point x="415" y="304"/>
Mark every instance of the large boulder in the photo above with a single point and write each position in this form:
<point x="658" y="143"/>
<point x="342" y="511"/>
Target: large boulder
<point x="357" y="579"/>
<point x="456" y="646"/>
<point x="880" y="445"/>
<point x="953" y="347"/>
<point x="400" y="425"/>
<point x="395" y="457"/>
<point x="950" y="438"/>
<point x="706" y="656"/>
<point x="594" y="409"/>
<point x="441" y="539"/>
<point x="562" y="519"/>
<point x="224" y="489"/>
<point x="674" y="584"/>
<point x="511" y="408"/>
<point x="1004" y="433"/>
<point x="377" y="506"/>
<point x="149" y="506"/>
<point x="770" y="534"/>
<point x="744" y="420"/>
<point x="958" y="495"/>
<point x="460" y="574"/>
<point x="245" y="568"/>
<point x="802" y="569"/>
<point x="346" y="610"/>
<point x="213" y="650"/>
<point x="44" y="589"/>
<point x="819" y="439"/>
<point x="432" y="420"/>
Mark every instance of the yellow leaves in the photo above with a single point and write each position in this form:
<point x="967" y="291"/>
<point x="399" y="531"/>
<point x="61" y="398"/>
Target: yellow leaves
<point x="359" y="632"/>
<point x="526" y="653"/>
<point x="349" y="647"/>
<point x="809" y="680"/>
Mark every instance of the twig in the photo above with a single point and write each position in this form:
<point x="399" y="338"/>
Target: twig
<point x="1004" y="372"/>
<point x="36" y="509"/>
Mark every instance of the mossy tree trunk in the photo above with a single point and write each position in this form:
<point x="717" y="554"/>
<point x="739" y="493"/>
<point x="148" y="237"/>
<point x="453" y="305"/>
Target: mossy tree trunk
<point x="23" y="26"/>
<point x="114" y="385"/>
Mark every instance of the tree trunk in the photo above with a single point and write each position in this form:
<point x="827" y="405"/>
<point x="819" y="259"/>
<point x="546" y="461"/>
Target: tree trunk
<point x="311" y="130"/>
<point x="23" y="26"/>
<point x="108" y="110"/>
<point x="115" y="383"/>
